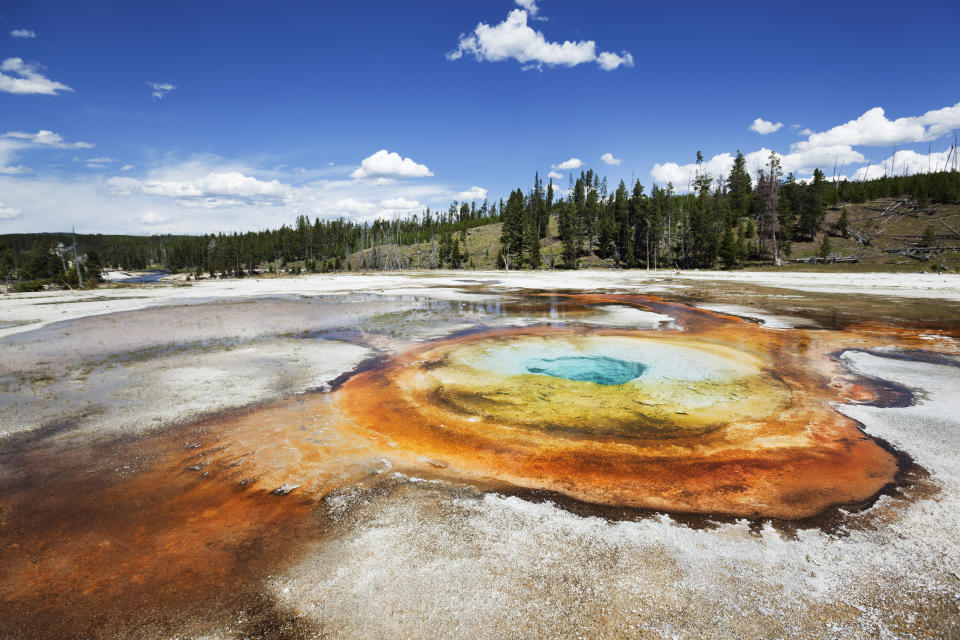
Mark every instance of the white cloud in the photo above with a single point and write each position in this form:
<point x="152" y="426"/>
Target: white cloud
<point x="609" y="159"/>
<point x="153" y="218"/>
<point x="213" y="190"/>
<point x="530" y="6"/>
<point x="833" y="147"/>
<point x="208" y="194"/>
<point x="97" y="163"/>
<point x="127" y="167"/>
<point x="12" y="142"/>
<point x="514" y="39"/>
<point x="9" y="213"/>
<point x="401" y="205"/>
<point x="572" y="163"/>
<point x="610" y="61"/>
<point x="683" y="175"/>
<point x="23" y="33"/>
<point x="367" y="211"/>
<point x="797" y="162"/>
<point x="17" y="76"/>
<point x="764" y="127"/>
<point x="386" y="164"/>
<point x="806" y="160"/>
<point x="874" y="129"/>
<point x="160" y="89"/>
<point x="473" y="193"/>
<point x="45" y="138"/>
<point x="905" y="162"/>
<point x="555" y="175"/>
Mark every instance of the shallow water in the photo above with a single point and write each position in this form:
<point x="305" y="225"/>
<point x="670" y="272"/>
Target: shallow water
<point x="596" y="369"/>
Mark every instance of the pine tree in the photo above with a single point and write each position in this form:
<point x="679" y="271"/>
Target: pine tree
<point x="512" y="230"/>
<point x="638" y="220"/>
<point x="532" y="219"/>
<point x="739" y="188"/>
<point x="456" y="258"/>
<point x="729" y="251"/>
<point x="825" y="248"/>
<point x="843" y="224"/>
<point x="812" y="211"/>
<point x="569" y="237"/>
<point x="789" y="199"/>
<point x="548" y="206"/>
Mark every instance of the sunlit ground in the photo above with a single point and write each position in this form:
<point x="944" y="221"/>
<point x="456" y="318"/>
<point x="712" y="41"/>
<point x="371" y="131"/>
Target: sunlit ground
<point x="480" y="457"/>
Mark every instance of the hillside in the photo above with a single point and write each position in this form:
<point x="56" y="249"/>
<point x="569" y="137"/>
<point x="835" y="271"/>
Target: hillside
<point x="883" y="234"/>
<point x="890" y="232"/>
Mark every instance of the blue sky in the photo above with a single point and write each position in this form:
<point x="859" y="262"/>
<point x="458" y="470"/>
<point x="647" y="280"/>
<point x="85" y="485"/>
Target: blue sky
<point x="196" y="117"/>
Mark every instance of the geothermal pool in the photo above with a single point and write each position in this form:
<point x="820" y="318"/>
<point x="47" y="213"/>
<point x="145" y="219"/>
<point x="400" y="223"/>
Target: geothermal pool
<point x="465" y="459"/>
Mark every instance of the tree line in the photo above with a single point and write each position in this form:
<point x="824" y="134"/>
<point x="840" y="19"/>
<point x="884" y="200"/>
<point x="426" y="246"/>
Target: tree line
<point x="724" y="221"/>
<point x="33" y="260"/>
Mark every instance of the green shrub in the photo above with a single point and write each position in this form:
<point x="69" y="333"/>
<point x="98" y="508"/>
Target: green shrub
<point x="29" y="286"/>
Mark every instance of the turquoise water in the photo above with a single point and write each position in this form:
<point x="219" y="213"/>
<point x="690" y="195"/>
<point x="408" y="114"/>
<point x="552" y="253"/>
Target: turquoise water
<point x="599" y="369"/>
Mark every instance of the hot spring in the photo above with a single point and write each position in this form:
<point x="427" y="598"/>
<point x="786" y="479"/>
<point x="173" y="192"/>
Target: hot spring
<point x="597" y="369"/>
<point x="715" y="415"/>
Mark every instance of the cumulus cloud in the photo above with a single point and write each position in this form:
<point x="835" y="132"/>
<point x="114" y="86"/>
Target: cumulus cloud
<point x="514" y="39"/>
<point x="610" y="61"/>
<point x="609" y="159"/>
<point x="401" y="204"/>
<point x="160" y="89"/>
<point x="9" y="213"/>
<point x="213" y="190"/>
<point x="473" y="193"/>
<point x="212" y="186"/>
<point x="764" y="127"/>
<point x="806" y="160"/>
<point x="835" y="147"/>
<point x="127" y="167"/>
<point x="13" y="142"/>
<point x="874" y="129"/>
<point x="23" y="33"/>
<point x="905" y="162"/>
<point x="572" y="163"/>
<point x="215" y="194"/>
<point x="797" y="162"/>
<point x="530" y="6"/>
<point x="556" y="175"/>
<point x="24" y="78"/>
<point x="153" y="218"/>
<point x="386" y="164"/>
<point x="363" y="210"/>
<point x="683" y="175"/>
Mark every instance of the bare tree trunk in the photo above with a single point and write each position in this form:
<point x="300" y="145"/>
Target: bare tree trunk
<point x="76" y="258"/>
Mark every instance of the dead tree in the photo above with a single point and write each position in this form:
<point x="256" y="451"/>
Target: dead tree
<point x="768" y="189"/>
